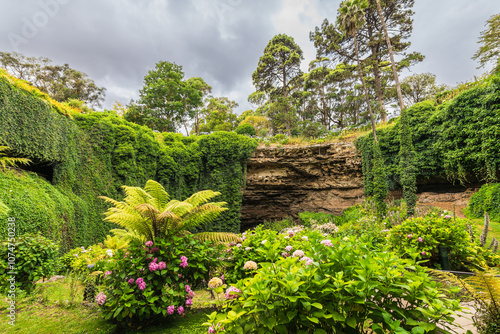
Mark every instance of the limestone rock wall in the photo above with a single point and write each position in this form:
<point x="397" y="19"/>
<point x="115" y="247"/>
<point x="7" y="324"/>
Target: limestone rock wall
<point x="284" y="181"/>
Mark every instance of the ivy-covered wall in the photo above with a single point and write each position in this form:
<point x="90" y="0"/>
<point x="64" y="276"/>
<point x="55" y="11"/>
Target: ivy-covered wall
<point x="458" y="139"/>
<point x="90" y="155"/>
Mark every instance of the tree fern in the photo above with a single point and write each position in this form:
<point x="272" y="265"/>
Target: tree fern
<point x="148" y="213"/>
<point x="218" y="236"/>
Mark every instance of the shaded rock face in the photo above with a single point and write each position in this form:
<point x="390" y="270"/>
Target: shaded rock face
<point x="282" y="182"/>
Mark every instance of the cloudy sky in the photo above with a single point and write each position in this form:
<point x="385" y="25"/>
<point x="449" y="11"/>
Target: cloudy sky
<point x="117" y="41"/>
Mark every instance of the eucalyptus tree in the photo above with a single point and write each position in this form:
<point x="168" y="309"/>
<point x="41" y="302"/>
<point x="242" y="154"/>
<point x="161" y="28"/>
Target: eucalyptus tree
<point x="167" y="98"/>
<point x="276" y="70"/>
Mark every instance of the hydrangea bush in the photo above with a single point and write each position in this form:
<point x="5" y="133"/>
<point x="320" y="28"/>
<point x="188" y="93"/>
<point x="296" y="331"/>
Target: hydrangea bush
<point x="155" y="279"/>
<point x="333" y="285"/>
<point x="423" y="236"/>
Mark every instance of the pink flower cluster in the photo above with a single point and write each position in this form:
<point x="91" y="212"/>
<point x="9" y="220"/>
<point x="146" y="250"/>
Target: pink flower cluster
<point x="327" y="243"/>
<point x="180" y="310"/>
<point x="171" y="309"/>
<point x="232" y="293"/>
<point x="131" y="281"/>
<point x="184" y="261"/>
<point x="298" y="253"/>
<point x="140" y="283"/>
<point x="307" y="260"/>
<point x="288" y="248"/>
<point x="149" y="243"/>
<point x="189" y="301"/>
<point x="107" y="273"/>
<point x="100" y="298"/>
<point x="153" y="266"/>
<point x="216" y="329"/>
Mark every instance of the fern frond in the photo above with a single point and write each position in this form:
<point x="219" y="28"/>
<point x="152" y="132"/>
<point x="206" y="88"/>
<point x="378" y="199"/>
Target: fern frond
<point x="202" y="197"/>
<point x="218" y="237"/>
<point x="159" y="196"/>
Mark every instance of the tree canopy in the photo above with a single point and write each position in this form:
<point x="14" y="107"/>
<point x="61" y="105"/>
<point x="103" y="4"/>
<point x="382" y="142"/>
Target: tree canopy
<point x="489" y="52"/>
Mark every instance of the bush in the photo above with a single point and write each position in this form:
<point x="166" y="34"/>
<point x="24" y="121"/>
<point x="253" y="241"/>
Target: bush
<point x="309" y="218"/>
<point x="425" y="235"/>
<point x="487" y="199"/>
<point x="81" y="260"/>
<point x="153" y="279"/>
<point x="246" y="129"/>
<point x="35" y="258"/>
<point x="341" y="286"/>
<point x="280" y="139"/>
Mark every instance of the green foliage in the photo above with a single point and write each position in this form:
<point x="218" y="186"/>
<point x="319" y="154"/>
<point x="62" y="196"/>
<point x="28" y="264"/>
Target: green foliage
<point x="487" y="199"/>
<point x="163" y="286"/>
<point x="148" y="213"/>
<point x="489" y="40"/>
<point x="246" y="129"/>
<point x="6" y="160"/>
<point x="379" y="183"/>
<point x="407" y="166"/>
<point x="344" y="287"/>
<point x="423" y="236"/>
<point x="83" y="260"/>
<point x="35" y="258"/>
<point x="93" y="155"/>
<point x="310" y="218"/>
<point x="458" y="139"/>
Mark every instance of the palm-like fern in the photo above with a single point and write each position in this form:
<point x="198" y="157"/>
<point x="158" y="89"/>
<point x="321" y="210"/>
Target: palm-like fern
<point x="6" y="161"/>
<point x="148" y="213"/>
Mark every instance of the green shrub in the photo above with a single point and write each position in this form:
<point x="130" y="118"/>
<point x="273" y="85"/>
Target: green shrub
<point x="336" y="287"/>
<point x="245" y="129"/>
<point x="278" y="225"/>
<point x="487" y="199"/>
<point x="35" y="257"/>
<point x="135" y="288"/>
<point x="423" y="236"/>
<point x="309" y="218"/>
<point x="86" y="260"/>
<point x="280" y="139"/>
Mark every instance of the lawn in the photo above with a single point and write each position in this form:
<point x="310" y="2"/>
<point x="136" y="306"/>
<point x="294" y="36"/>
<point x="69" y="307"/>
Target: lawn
<point x="49" y="310"/>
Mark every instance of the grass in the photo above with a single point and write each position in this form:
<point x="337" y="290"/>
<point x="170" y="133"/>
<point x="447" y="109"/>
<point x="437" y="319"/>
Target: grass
<point x="50" y="310"/>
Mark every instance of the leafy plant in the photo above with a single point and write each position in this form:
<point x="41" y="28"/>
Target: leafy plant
<point x="35" y="257"/>
<point x="246" y="129"/>
<point x="148" y="213"/>
<point x="336" y="286"/>
<point x="7" y="161"/>
<point x="154" y="279"/>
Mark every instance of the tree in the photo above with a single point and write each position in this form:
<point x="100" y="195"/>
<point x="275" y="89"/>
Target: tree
<point x="167" y="99"/>
<point x="200" y="85"/>
<point x="372" y="45"/>
<point x="350" y="18"/>
<point x="490" y="44"/>
<point x="218" y="115"/>
<point x="274" y="75"/>
<point x="149" y="213"/>
<point x="62" y="83"/>
<point x="420" y="87"/>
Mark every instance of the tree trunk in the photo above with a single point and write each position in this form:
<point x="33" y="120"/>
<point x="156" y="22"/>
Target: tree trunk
<point x="366" y="89"/>
<point x="378" y="87"/>
<point x="393" y="63"/>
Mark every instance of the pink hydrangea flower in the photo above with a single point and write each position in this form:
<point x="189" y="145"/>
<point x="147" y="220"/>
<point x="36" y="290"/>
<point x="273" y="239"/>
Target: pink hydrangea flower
<point x="149" y="243"/>
<point x="307" y="260"/>
<point x="248" y="248"/>
<point x="142" y="286"/>
<point x="447" y="217"/>
<point x="180" y="310"/>
<point x="191" y="294"/>
<point x="131" y="281"/>
<point x="298" y="253"/>
<point x="153" y="266"/>
<point x="171" y="309"/>
<point x="189" y="302"/>
<point x="290" y="234"/>
<point x="305" y="238"/>
<point x="184" y="262"/>
<point x="232" y="293"/>
<point x="423" y="253"/>
<point x="288" y="248"/>
<point x="239" y="245"/>
<point x="188" y="288"/>
<point x="285" y="254"/>
<point x="327" y="243"/>
<point x="420" y="239"/>
<point x="211" y="330"/>
<point x="410" y="236"/>
<point x="107" y="273"/>
<point x="100" y="298"/>
<point x="162" y="265"/>
<point x="139" y="280"/>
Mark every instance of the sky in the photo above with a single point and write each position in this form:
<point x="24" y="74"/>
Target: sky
<point x="116" y="42"/>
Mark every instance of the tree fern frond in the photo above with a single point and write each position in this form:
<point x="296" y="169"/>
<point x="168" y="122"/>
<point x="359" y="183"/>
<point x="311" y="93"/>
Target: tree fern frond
<point x="201" y="197"/>
<point x="144" y="207"/>
<point x="180" y="208"/>
<point x="159" y="196"/>
<point x="218" y="237"/>
<point x="135" y="195"/>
